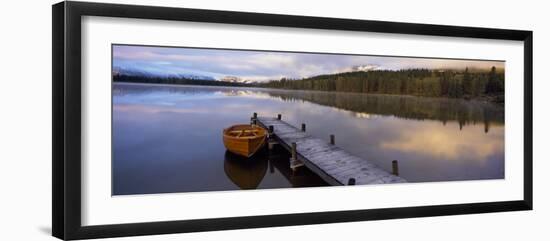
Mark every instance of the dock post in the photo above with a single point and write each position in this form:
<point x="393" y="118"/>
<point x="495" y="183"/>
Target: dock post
<point x="270" y="141"/>
<point x="271" y="145"/>
<point x="332" y="141"/>
<point x="254" y="121"/>
<point x="293" y="152"/>
<point x="294" y="162"/>
<point x="351" y="181"/>
<point x="279" y="116"/>
<point x="254" y="118"/>
<point x="395" y="168"/>
<point x="304" y="127"/>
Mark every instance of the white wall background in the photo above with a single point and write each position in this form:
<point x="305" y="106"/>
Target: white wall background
<point x="25" y="120"/>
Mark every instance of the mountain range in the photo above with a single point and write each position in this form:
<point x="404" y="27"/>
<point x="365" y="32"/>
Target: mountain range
<point x="143" y="73"/>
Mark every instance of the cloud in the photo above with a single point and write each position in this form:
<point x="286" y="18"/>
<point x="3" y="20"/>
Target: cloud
<point x="264" y="65"/>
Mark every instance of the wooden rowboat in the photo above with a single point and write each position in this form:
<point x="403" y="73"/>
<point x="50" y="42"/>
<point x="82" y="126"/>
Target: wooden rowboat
<point x="244" y="140"/>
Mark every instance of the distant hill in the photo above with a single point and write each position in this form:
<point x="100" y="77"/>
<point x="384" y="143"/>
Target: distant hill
<point x="117" y="77"/>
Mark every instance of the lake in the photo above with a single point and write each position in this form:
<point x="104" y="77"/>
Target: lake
<point x="168" y="138"/>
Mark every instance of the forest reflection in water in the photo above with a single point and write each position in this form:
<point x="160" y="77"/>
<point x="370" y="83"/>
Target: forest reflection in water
<point x="462" y="111"/>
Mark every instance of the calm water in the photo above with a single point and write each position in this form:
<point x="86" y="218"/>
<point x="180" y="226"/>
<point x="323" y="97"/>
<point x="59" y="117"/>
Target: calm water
<point x="168" y="138"/>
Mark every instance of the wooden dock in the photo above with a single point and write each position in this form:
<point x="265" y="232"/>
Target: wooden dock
<point x="331" y="163"/>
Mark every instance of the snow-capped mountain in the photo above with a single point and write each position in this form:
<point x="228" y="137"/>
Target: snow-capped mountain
<point x="136" y="72"/>
<point x="368" y="67"/>
<point x="234" y="79"/>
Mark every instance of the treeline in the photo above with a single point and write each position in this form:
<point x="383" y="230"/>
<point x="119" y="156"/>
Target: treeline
<point x="172" y="80"/>
<point x="420" y="82"/>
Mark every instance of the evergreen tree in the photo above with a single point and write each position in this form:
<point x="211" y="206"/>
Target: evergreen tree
<point x="493" y="85"/>
<point x="467" y="84"/>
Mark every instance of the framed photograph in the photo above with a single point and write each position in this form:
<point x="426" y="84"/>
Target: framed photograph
<point x="169" y="120"/>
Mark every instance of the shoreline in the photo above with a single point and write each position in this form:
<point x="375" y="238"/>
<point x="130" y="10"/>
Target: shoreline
<point x="499" y="100"/>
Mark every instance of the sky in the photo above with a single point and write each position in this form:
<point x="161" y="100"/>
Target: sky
<point x="265" y="65"/>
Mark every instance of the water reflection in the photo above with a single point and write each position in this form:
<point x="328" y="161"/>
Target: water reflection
<point x="302" y="177"/>
<point x="167" y="138"/>
<point x="246" y="173"/>
<point x="440" y="142"/>
<point x="250" y="173"/>
<point x="464" y="112"/>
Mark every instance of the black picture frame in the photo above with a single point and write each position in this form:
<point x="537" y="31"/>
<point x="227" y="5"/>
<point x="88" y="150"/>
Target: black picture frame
<point x="66" y="128"/>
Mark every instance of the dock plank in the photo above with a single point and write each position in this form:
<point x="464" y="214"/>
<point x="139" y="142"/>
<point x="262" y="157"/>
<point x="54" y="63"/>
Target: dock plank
<point x="330" y="162"/>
